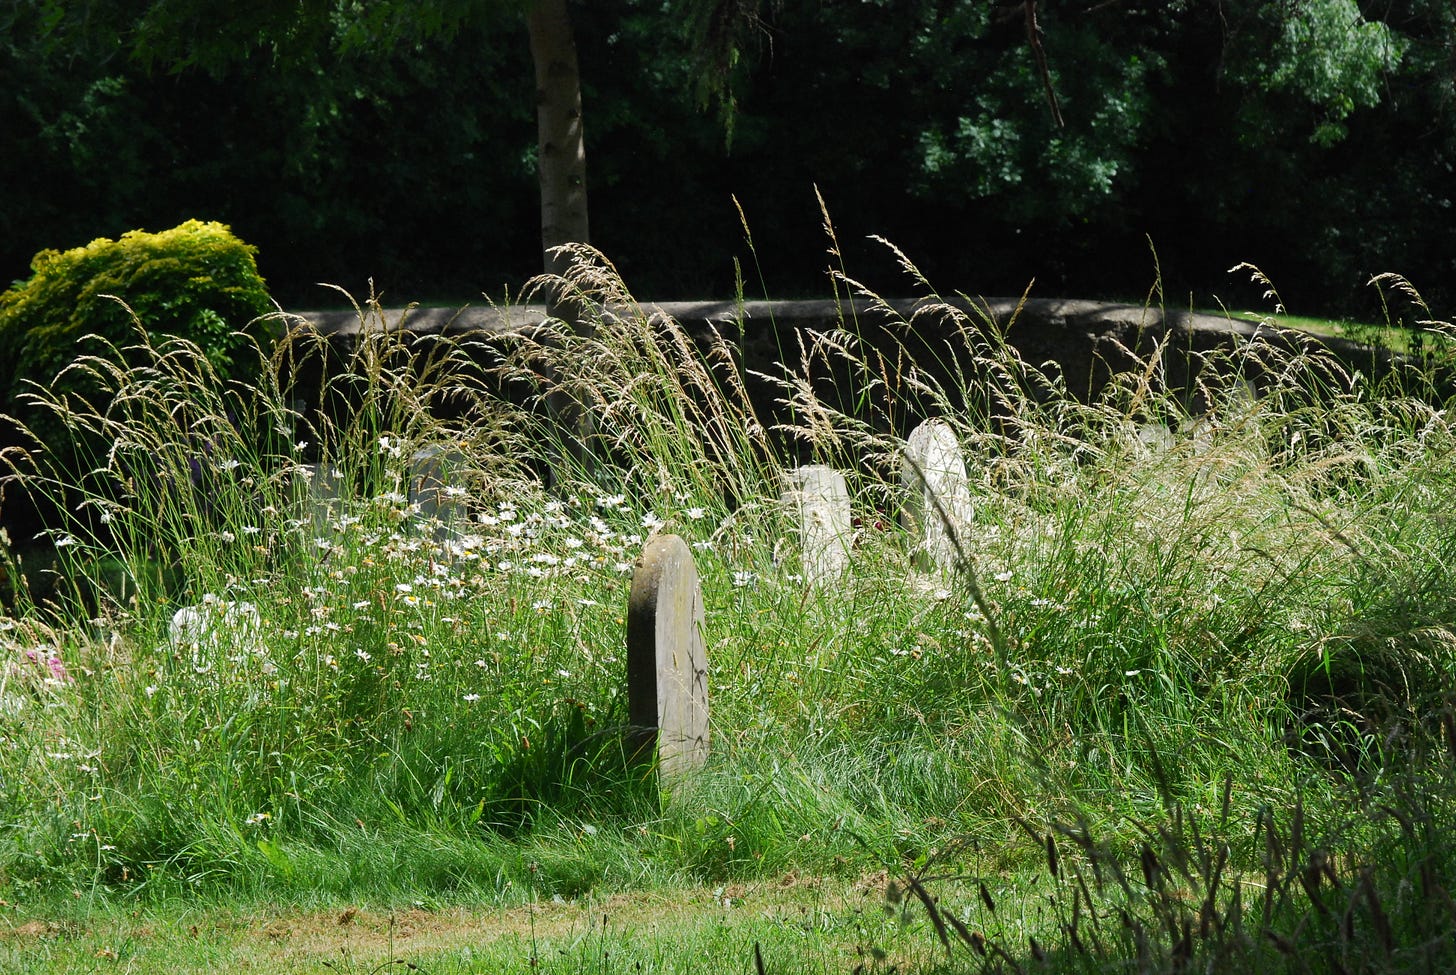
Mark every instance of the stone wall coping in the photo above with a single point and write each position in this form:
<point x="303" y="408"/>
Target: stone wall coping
<point x="1073" y="314"/>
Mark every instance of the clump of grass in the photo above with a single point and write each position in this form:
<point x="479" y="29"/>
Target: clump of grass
<point x="1203" y="889"/>
<point x="279" y="668"/>
<point x="670" y="420"/>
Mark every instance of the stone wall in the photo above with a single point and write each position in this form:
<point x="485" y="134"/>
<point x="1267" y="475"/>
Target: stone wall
<point x="1084" y="341"/>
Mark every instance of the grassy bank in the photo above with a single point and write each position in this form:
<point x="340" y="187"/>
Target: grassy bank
<point x="1188" y="697"/>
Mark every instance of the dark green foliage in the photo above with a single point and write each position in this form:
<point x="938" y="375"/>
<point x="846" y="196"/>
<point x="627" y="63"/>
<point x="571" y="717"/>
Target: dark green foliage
<point x="567" y="763"/>
<point x="197" y="282"/>
<point x="396" y="143"/>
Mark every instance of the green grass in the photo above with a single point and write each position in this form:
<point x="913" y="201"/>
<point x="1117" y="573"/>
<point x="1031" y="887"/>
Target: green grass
<point x="1188" y="701"/>
<point x="1402" y="337"/>
<point x="798" y="925"/>
<point x="1407" y="327"/>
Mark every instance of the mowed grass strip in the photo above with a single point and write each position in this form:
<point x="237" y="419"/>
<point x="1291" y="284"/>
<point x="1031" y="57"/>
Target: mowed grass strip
<point x="799" y="923"/>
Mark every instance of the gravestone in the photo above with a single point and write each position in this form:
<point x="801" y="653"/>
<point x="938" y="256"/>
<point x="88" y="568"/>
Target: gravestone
<point x="1218" y="438"/>
<point x="938" y="506"/>
<point x="1242" y="399"/>
<point x="667" y="661"/>
<point x="219" y="630"/>
<point x="818" y="499"/>
<point x="322" y="491"/>
<point x="434" y="488"/>
<point x="1154" y="438"/>
<point x="1237" y="403"/>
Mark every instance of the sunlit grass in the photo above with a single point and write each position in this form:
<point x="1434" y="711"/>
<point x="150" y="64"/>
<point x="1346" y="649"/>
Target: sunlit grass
<point x="304" y="690"/>
<point x="1407" y="326"/>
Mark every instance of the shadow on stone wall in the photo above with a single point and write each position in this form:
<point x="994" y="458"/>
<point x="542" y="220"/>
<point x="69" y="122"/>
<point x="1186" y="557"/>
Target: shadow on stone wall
<point x="1085" y="343"/>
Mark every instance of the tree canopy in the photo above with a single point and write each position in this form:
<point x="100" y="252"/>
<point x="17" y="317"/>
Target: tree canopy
<point x="1312" y="137"/>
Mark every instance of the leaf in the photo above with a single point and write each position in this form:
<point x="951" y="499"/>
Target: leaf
<point x="277" y="856"/>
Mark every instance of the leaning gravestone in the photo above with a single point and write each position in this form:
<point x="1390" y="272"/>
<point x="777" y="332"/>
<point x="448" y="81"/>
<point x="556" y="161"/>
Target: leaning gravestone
<point x="819" y="500"/>
<point x="433" y="487"/>
<point x="938" y="496"/>
<point x="667" y="661"/>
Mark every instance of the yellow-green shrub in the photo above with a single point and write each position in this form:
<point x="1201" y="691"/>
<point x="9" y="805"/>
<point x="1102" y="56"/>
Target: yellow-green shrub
<point x="196" y="281"/>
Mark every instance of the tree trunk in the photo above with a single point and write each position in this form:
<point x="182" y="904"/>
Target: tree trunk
<point x="561" y="149"/>
<point x="558" y="131"/>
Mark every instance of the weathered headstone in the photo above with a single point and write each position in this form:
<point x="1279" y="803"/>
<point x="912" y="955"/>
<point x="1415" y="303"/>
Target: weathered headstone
<point x="322" y="488"/>
<point x="1238" y="401"/>
<point x="434" y="487"/>
<point x="818" y="500"/>
<point x="217" y="630"/>
<point x="1243" y="398"/>
<point x="1154" y="437"/>
<point x="938" y="505"/>
<point x="667" y="660"/>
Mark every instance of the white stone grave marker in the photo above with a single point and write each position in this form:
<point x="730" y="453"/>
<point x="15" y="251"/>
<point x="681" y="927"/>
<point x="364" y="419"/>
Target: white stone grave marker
<point x="434" y="487"/>
<point x="938" y="505"/>
<point x="819" y="501"/>
<point x="1154" y="437"/>
<point x="322" y="491"/>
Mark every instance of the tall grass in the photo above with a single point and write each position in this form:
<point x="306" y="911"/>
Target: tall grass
<point x="1173" y="603"/>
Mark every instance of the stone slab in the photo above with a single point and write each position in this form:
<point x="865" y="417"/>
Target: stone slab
<point x="817" y="498"/>
<point x="322" y="491"/>
<point x="938" y="509"/>
<point x="434" y="486"/>
<point x="667" y="660"/>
